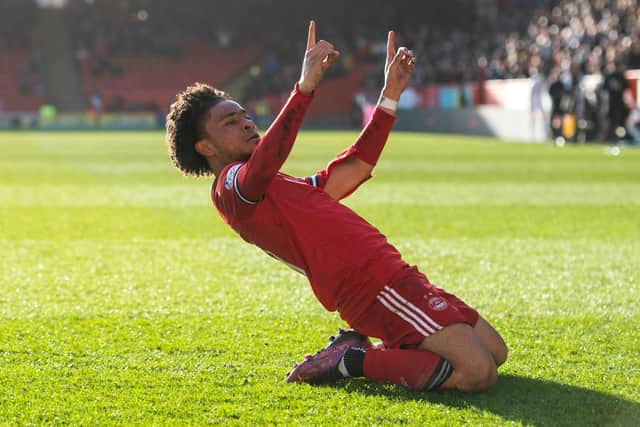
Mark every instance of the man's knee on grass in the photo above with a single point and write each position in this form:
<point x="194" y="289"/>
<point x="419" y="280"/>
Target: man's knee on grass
<point x="499" y="351"/>
<point x="501" y="354"/>
<point x="472" y="357"/>
<point x="476" y="377"/>
<point x="492" y="340"/>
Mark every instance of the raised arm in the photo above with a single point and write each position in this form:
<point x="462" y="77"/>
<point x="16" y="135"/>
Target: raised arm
<point x="273" y="149"/>
<point x="355" y="165"/>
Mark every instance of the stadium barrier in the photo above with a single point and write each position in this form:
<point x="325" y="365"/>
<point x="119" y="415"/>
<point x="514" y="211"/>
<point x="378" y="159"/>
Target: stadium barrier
<point x="489" y="121"/>
<point x="108" y="121"/>
<point x="82" y="121"/>
<point x="19" y="121"/>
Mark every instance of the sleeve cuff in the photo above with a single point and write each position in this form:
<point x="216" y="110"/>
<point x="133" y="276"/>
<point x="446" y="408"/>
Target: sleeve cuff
<point x="297" y="91"/>
<point x="380" y="112"/>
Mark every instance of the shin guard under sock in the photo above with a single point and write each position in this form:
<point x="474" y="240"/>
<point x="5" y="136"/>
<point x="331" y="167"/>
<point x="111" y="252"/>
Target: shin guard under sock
<point x="415" y="369"/>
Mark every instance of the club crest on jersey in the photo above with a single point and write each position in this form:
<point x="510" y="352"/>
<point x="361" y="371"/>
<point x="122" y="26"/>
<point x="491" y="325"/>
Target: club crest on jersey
<point x="437" y="303"/>
<point x="231" y="174"/>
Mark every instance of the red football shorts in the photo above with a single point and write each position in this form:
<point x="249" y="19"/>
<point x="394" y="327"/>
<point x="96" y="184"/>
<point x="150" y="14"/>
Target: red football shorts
<point x="411" y="309"/>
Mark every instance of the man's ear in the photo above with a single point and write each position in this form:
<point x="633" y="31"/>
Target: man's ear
<point x="204" y="148"/>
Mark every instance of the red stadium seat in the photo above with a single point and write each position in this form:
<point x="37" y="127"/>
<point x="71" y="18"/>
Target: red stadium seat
<point x="13" y="100"/>
<point x="158" y="79"/>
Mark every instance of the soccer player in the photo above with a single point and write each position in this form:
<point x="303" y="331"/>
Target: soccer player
<point x="430" y="339"/>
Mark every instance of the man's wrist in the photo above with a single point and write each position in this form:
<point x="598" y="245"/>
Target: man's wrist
<point x="391" y="93"/>
<point x="388" y="105"/>
<point x="305" y="89"/>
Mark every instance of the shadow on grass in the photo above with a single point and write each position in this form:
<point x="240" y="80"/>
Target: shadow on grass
<point x="526" y="400"/>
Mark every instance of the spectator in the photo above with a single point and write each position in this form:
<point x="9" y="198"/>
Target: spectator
<point x="614" y="87"/>
<point x="538" y="112"/>
<point x="96" y="102"/>
<point x="633" y="126"/>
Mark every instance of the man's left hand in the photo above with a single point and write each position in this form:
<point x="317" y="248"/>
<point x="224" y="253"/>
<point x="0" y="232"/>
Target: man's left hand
<point x="398" y="69"/>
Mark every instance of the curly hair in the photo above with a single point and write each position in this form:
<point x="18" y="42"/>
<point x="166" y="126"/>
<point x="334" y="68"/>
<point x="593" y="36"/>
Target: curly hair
<point x="185" y="126"/>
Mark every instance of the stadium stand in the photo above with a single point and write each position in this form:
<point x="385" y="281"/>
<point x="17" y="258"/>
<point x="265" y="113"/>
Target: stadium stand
<point x="135" y="58"/>
<point x="21" y="88"/>
<point x="21" y="84"/>
<point x="134" y="55"/>
<point x="148" y="83"/>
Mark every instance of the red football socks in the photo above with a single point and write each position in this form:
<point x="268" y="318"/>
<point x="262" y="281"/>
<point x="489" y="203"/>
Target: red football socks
<point x="415" y="369"/>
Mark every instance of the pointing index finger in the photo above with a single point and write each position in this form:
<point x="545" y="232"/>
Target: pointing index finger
<point x="311" y="40"/>
<point x="391" y="49"/>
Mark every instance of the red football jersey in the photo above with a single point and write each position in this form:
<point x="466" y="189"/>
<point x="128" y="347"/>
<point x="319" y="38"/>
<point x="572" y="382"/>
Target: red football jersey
<point x="346" y="259"/>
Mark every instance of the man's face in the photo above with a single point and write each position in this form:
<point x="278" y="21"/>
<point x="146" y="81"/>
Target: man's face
<point x="233" y="134"/>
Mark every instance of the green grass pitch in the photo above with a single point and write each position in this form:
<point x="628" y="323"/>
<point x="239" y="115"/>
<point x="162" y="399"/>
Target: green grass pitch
<point x="124" y="299"/>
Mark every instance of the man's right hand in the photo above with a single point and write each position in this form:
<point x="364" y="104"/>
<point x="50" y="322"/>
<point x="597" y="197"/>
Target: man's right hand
<point x="398" y="69"/>
<point x="318" y="57"/>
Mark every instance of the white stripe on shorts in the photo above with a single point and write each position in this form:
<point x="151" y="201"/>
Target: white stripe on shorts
<point x="407" y="311"/>
<point x="416" y="309"/>
<point x="417" y="318"/>
<point x="403" y="316"/>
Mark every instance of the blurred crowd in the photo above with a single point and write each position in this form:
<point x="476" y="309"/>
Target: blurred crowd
<point x="519" y="38"/>
<point x="105" y="30"/>
<point x="109" y="29"/>
<point x="465" y="41"/>
<point x="577" y="38"/>
<point x="462" y="40"/>
<point x="555" y="42"/>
